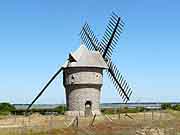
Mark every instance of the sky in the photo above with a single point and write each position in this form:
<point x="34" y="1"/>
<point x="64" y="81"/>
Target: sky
<point x="36" y="37"/>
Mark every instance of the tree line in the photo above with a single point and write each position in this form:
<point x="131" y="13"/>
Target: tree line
<point x="7" y="108"/>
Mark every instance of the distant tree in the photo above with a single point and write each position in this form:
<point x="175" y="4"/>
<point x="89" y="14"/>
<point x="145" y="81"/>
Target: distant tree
<point x="140" y="109"/>
<point x="176" y="107"/>
<point x="166" y="106"/>
<point x="6" y="108"/>
<point x="60" y="109"/>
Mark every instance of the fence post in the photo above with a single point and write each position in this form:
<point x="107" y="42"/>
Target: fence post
<point x="94" y="117"/>
<point x="164" y="131"/>
<point x="160" y="115"/>
<point x="119" y="115"/>
<point x="22" y="128"/>
<point x="77" y="121"/>
<point x="152" y="115"/>
<point x="144" y="114"/>
<point x="51" y="119"/>
<point x="29" y="120"/>
<point x="15" y="117"/>
<point x="49" y="124"/>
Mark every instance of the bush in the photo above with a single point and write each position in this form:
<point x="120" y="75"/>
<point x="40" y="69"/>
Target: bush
<point x="122" y="110"/>
<point x="60" y="109"/>
<point x="166" y="106"/>
<point x="176" y="107"/>
<point x="108" y="110"/>
<point x="140" y="109"/>
<point x="42" y="111"/>
<point x="6" y="108"/>
<point x="18" y="112"/>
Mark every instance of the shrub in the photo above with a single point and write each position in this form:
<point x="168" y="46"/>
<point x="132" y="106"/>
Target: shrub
<point x="122" y="110"/>
<point x="108" y="110"/>
<point x="166" y="106"/>
<point x="6" y="108"/>
<point x="140" y="109"/>
<point x="176" y="107"/>
<point x="60" y="109"/>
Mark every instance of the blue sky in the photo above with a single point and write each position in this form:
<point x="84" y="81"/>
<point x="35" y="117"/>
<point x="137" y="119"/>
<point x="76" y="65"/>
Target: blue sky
<point x="36" y="37"/>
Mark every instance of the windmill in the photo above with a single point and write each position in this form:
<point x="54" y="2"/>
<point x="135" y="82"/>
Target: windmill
<point x="83" y="71"/>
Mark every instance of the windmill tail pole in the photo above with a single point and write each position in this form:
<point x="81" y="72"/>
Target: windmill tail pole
<point x="44" y="88"/>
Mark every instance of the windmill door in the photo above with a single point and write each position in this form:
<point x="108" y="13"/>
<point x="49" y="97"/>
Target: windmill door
<point x="88" y="108"/>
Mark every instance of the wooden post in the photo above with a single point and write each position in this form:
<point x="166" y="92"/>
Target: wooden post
<point x="108" y="117"/>
<point x="160" y="114"/>
<point x="24" y="119"/>
<point x="23" y="127"/>
<point x="115" y="111"/>
<point x="144" y="115"/>
<point x="92" y="122"/>
<point x="164" y="131"/>
<point x="71" y="123"/>
<point x="127" y="115"/>
<point x="29" y="119"/>
<point x="119" y="115"/>
<point x="15" y="117"/>
<point x="50" y="121"/>
<point x="77" y="121"/>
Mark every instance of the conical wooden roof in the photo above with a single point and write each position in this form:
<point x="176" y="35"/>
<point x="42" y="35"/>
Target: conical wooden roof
<point x="83" y="57"/>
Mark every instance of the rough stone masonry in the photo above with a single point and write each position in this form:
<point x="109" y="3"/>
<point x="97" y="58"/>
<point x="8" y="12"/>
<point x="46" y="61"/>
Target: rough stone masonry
<point x="82" y="79"/>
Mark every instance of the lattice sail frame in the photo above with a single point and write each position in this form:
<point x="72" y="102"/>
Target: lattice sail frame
<point x="106" y="47"/>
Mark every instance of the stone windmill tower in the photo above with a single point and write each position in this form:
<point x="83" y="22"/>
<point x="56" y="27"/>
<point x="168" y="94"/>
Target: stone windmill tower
<point x="82" y="79"/>
<point x="83" y="71"/>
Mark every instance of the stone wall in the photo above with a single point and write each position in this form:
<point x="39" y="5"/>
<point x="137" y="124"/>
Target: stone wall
<point x="82" y="85"/>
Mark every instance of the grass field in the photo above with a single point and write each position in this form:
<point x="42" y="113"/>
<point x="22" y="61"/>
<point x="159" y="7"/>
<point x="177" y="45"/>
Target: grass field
<point x="144" y="123"/>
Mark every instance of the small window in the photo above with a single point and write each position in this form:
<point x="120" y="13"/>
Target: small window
<point x="72" y="77"/>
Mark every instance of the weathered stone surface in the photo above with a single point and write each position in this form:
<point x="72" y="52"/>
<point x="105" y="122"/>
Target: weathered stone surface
<point x="82" y="79"/>
<point x="82" y="85"/>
